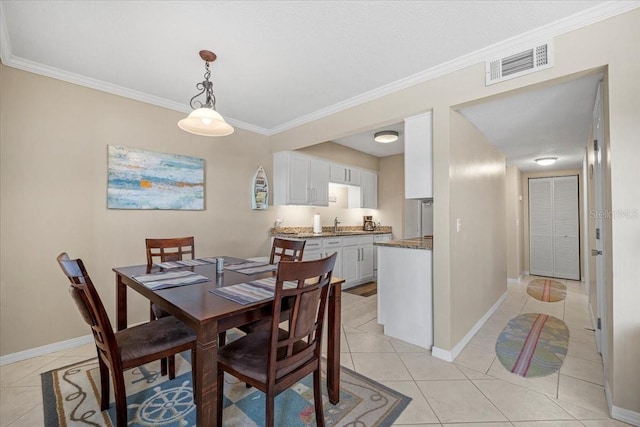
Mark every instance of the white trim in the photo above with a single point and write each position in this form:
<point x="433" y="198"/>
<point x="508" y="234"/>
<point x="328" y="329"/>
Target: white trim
<point x="450" y="356"/>
<point x="626" y="415"/>
<point x="595" y="14"/>
<point x="570" y="23"/>
<point x="45" y="349"/>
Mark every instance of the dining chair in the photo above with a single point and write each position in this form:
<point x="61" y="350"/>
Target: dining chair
<point x="274" y="360"/>
<point x="128" y="348"/>
<point x="163" y="250"/>
<point x="281" y="250"/>
<point x="286" y="250"/>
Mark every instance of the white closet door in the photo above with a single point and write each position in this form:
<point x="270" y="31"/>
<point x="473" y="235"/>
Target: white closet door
<point x="565" y="225"/>
<point x="553" y="227"/>
<point x="541" y="226"/>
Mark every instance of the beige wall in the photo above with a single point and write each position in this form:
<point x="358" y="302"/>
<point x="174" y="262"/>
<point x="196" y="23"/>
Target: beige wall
<point x="53" y="154"/>
<point x="513" y="204"/>
<point x="525" y="206"/>
<point x="391" y="193"/>
<point x="478" y="250"/>
<point x="613" y="45"/>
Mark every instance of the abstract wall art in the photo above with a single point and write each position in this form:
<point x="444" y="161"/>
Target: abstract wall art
<point x="139" y="179"/>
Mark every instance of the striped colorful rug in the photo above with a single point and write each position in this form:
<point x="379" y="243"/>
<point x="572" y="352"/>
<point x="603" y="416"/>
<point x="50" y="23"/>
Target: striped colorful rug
<point x="533" y="345"/>
<point x="547" y="290"/>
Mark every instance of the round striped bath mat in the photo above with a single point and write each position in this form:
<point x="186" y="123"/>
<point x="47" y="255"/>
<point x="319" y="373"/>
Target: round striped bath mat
<point x="533" y="345"/>
<point x="547" y="290"/>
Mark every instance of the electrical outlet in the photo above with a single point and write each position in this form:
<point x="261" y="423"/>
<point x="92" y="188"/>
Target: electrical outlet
<point x="458" y="225"/>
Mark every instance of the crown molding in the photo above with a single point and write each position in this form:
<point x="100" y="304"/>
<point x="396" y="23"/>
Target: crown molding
<point x="579" y="20"/>
<point x="565" y="25"/>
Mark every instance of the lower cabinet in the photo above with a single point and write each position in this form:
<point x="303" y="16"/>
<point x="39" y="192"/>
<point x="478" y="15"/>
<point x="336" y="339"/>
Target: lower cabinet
<point x="357" y="260"/>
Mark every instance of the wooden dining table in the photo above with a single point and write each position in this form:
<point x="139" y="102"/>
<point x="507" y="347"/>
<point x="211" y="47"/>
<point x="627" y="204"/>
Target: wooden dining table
<point x="208" y="314"/>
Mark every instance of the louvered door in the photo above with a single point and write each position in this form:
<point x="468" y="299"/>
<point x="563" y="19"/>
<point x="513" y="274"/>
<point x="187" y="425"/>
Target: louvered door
<point x="553" y="227"/>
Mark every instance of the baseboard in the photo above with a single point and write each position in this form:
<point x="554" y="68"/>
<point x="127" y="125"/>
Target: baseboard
<point x="45" y="349"/>
<point x="621" y="414"/>
<point x="516" y="280"/>
<point x="625" y="415"/>
<point x="450" y="355"/>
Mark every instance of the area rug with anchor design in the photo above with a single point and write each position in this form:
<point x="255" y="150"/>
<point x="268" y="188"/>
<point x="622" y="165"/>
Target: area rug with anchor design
<point x="71" y="397"/>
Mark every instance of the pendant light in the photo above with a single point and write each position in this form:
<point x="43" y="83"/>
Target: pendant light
<point x="204" y="120"/>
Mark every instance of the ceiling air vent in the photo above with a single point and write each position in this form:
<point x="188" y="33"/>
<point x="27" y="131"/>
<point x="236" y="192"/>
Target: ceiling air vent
<point x="520" y="63"/>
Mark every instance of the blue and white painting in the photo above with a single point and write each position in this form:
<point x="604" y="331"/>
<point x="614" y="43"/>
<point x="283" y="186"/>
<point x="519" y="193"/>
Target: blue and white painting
<point x="139" y="179"/>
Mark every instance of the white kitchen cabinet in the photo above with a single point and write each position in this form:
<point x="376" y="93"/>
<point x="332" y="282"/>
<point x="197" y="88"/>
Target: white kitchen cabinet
<point x="366" y="195"/>
<point x="369" y="190"/>
<point x="332" y="245"/>
<point x="378" y="238"/>
<point x="300" y="180"/>
<point x="341" y="174"/>
<point x="357" y="260"/>
<point x="418" y="163"/>
<point x="312" y="250"/>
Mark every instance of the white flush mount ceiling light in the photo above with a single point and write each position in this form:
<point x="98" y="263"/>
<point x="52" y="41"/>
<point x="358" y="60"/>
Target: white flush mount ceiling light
<point x="546" y="161"/>
<point x="205" y="120"/>
<point x="386" y="136"/>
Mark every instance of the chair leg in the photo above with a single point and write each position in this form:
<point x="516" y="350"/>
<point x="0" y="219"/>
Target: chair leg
<point x="104" y="385"/>
<point x="270" y="409"/>
<point x="172" y="367"/>
<point x="220" y="391"/>
<point x="121" y="399"/>
<point x="222" y="338"/>
<point x="317" y="398"/>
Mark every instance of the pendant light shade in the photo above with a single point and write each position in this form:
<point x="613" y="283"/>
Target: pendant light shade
<point x="205" y="120"/>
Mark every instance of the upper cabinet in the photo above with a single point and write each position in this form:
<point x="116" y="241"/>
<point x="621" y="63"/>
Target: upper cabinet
<point x="300" y="180"/>
<point x="366" y="195"/>
<point x="344" y="175"/>
<point x="418" y="165"/>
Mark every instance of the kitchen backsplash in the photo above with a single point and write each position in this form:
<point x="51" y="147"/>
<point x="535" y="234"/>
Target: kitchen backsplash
<point x="302" y="216"/>
<point x="301" y="230"/>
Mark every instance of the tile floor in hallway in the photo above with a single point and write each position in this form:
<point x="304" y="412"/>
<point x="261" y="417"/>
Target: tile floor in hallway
<point x="475" y="390"/>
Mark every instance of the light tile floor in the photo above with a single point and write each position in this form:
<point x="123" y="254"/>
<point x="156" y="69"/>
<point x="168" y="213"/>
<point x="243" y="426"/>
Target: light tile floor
<point x="475" y="390"/>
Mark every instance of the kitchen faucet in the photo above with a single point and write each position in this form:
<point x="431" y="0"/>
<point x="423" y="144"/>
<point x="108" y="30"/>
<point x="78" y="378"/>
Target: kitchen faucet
<point x="335" y="225"/>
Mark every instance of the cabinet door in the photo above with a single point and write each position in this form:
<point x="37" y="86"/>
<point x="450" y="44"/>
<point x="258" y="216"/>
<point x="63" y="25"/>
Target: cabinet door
<point x="369" y="190"/>
<point x="344" y="175"/>
<point x="366" y="262"/>
<point x="298" y="180"/>
<point x="319" y="172"/>
<point x="353" y="176"/>
<point x="338" y="174"/>
<point x="418" y="179"/>
<point x="312" y="255"/>
<point x="337" y="268"/>
<point x="350" y="261"/>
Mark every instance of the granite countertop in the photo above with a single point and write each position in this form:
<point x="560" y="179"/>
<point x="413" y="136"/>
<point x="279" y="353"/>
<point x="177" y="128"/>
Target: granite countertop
<point x="425" y="242"/>
<point x="307" y="232"/>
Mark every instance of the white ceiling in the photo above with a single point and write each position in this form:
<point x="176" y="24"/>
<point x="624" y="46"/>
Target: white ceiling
<point x="550" y="122"/>
<point x="280" y="64"/>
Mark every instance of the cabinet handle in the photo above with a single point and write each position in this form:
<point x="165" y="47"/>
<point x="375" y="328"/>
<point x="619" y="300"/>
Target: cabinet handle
<point x="349" y="175"/>
<point x="345" y="175"/>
